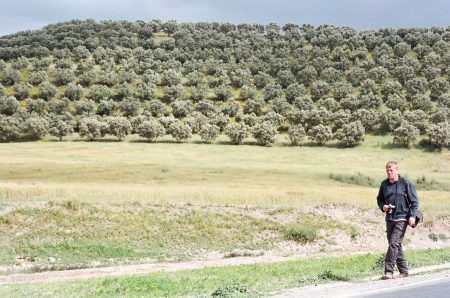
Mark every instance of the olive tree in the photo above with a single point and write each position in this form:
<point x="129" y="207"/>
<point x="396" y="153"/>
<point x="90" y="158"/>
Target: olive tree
<point x="390" y="120"/>
<point x="85" y="107"/>
<point x="351" y="133"/>
<point x="294" y="91"/>
<point x="171" y="77"/>
<point x="10" y="77"/>
<point x="439" y="134"/>
<point x="196" y="121"/>
<point x="181" y="108"/>
<point x="198" y="93"/>
<point x="37" y="106"/>
<point x="438" y="87"/>
<point x="416" y="86"/>
<point x="155" y="107"/>
<point x="22" y="90"/>
<point x="119" y="127"/>
<point x="342" y="89"/>
<point x="253" y="106"/>
<point x="9" y="129"/>
<point x="63" y="76"/>
<point x="73" y="91"/>
<point x="37" y="77"/>
<point x="320" y="134"/>
<point x="406" y="134"/>
<point x="99" y="92"/>
<point x="47" y="90"/>
<point x="209" y="132"/>
<point x="421" y="102"/>
<point x="130" y="106"/>
<point x="151" y="130"/>
<point x="223" y="92"/>
<point x="34" y="128"/>
<point x="296" y="134"/>
<point x="90" y="128"/>
<point x="265" y="133"/>
<point x="146" y="91"/>
<point x="180" y="131"/>
<point x="60" y="128"/>
<point x="237" y="132"/>
<point x="319" y="89"/>
<point x="272" y="91"/>
<point x="397" y="101"/>
<point x="247" y="91"/>
<point x="172" y="93"/>
<point x="230" y="108"/>
<point x="8" y="105"/>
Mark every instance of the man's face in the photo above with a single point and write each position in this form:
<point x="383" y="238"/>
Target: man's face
<point x="392" y="172"/>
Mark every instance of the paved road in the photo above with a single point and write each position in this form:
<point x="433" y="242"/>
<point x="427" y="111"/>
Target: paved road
<point x="419" y="285"/>
<point x="428" y="289"/>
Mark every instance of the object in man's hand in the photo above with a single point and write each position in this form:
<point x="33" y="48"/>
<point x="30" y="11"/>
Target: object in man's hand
<point x="391" y="208"/>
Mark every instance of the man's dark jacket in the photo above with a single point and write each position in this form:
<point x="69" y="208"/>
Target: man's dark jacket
<point x="392" y="193"/>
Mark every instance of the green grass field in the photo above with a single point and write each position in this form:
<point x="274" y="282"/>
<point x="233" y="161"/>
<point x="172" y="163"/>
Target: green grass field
<point x="217" y="174"/>
<point x="255" y="280"/>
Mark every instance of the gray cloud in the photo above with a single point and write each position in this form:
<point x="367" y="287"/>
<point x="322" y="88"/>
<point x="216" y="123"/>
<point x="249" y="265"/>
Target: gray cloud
<point x="361" y="14"/>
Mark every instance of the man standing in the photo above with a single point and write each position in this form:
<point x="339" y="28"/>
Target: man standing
<point x="397" y="197"/>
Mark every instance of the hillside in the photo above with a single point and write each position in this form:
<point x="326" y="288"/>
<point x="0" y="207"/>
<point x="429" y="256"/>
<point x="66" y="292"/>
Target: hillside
<point x="158" y="78"/>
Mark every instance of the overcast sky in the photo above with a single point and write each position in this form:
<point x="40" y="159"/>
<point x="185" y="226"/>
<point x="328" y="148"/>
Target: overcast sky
<point x="19" y="15"/>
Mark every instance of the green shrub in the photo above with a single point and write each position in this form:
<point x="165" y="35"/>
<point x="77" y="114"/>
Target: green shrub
<point x="358" y="179"/>
<point x="301" y="233"/>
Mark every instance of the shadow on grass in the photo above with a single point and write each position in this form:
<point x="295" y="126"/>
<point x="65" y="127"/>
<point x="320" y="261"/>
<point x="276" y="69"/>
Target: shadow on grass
<point x="392" y="146"/>
<point x="106" y="140"/>
<point x="423" y="145"/>
<point x="426" y="146"/>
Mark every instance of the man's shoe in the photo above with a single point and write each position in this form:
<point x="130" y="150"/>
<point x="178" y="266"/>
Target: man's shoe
<point x="387" y="275"/>
<point x="402" y="275"/>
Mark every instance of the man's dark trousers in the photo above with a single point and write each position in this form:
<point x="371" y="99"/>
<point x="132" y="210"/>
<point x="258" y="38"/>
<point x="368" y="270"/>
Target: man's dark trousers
<point x="395" y="233"/>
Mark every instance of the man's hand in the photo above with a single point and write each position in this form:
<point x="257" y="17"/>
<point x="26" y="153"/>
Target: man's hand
<point x="386" y="208"/>
<point x="412" y="221"/>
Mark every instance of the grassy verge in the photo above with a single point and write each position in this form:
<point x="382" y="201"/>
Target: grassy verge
<point x="68" y="234"/>
<point x="229" y="281"/>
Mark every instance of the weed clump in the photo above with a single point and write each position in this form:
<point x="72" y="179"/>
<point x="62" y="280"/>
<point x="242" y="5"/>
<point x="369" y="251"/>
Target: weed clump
<point x="229" y="291"/>
<point x="330" y="275"/>
<point x="301" y="233"/>
<point x="357" y="179"/>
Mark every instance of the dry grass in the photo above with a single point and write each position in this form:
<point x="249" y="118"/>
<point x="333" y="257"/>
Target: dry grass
<point x="217" y="174"/>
